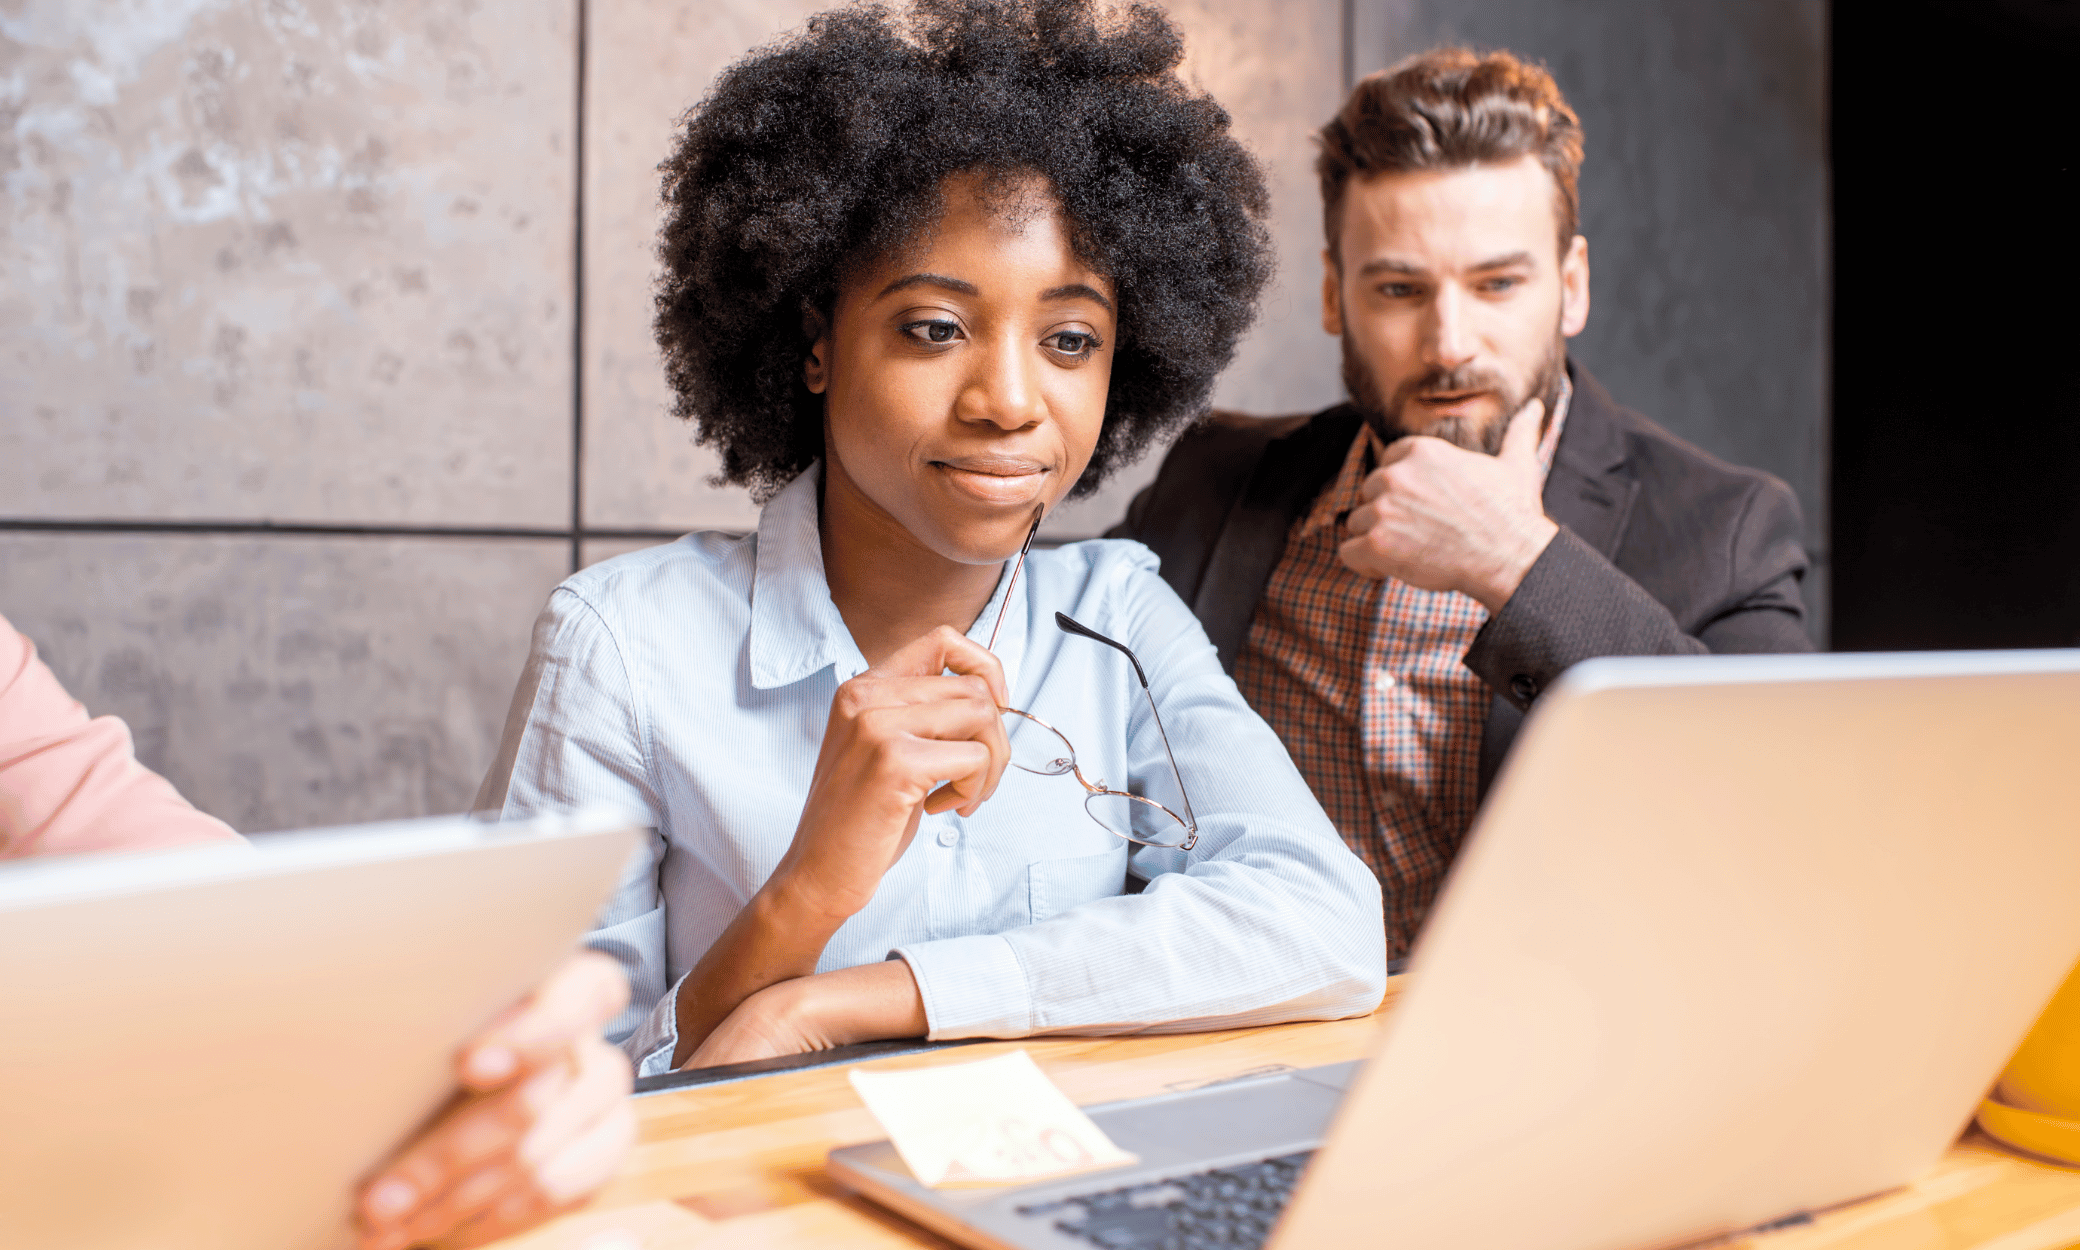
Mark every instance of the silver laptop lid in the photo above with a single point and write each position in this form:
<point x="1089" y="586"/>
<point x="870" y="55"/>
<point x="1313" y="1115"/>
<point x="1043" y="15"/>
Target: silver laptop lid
<point x="1734" y="937"/>
<point x="206" y="1048"/>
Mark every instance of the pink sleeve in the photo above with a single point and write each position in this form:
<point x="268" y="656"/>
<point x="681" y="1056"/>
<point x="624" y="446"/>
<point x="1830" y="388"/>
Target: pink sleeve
<point x="70" y="784"/>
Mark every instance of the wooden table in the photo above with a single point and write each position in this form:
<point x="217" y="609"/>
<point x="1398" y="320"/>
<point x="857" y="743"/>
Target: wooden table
<point x="742" y="1164"/>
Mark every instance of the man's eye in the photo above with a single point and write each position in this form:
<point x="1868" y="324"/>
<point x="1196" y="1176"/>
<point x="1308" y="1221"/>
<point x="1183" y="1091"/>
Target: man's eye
<point x="1071" y="343"/>
<point x="1398" y="290"/>
<point x="1499" y="286"/>
<point x="933" y="331"/>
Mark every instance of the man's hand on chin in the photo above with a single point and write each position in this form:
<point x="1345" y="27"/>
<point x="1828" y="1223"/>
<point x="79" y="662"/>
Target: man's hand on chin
<point x="1440" y="517"/>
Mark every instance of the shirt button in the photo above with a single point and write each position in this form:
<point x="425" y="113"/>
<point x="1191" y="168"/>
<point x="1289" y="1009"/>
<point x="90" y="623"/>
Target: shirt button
<point x="948" y="837"/>
<point x="1523" y="687"/>
<point x="1384" y="680"/>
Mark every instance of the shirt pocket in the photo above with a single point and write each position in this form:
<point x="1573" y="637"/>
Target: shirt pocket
<point x="1053" y="886"/>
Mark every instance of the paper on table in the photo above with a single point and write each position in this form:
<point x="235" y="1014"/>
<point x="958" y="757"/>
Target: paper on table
<point x="996" y="1122"/>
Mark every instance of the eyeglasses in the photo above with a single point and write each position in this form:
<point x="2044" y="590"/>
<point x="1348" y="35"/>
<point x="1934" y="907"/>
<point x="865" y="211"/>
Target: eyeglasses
<point x="1038" y="747"/>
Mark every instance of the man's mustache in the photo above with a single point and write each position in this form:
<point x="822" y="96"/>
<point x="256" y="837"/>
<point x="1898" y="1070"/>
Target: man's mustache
<point x="1454" y="381"/>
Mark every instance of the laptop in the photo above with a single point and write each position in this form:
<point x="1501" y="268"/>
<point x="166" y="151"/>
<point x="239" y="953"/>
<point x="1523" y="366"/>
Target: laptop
<point x="1733" y="940"/>
<point x="207" y="1048"/>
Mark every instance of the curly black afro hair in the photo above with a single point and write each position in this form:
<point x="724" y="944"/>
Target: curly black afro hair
<point x="831" y="146"/>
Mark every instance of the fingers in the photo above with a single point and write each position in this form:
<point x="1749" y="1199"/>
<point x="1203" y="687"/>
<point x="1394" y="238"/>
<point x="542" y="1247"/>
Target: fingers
<point x="586" y="1163"/>
<point x="581" y="996"/>
<point x="505" y="1160"/>
<point x="602" y="1084"/>
<point x="454" y="1164"/>
<point x="591" y="1158"/>
<point x="1361" y="520"/>
<point x="887" y="711"/>
<point x="1520" y="440"/>
<point x="944" y="649"/>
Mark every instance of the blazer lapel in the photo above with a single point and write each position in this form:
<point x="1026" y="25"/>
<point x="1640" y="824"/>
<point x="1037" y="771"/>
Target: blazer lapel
<point x="1586" y="492"/>
<point x="1289" y="475"/>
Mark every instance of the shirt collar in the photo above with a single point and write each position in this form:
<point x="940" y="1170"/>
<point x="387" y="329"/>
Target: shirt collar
<point x="797" y="631"/>
<point x="795" y="628"/>
<point x="1344" y="493"/>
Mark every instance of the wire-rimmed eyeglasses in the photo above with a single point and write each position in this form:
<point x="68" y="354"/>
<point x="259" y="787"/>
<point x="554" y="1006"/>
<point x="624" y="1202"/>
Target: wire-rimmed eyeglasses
<point x="1038" y="747"/>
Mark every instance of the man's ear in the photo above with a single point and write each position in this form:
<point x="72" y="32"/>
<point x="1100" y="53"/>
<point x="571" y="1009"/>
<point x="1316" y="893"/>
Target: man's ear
<point x="816" y="363"/>
<point x="1332" y="296"/>
<point x="1574" y="287"/>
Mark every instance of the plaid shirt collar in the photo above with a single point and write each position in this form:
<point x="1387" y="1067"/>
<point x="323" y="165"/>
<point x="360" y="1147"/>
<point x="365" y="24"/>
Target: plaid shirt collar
<point x="1343" y="494"/>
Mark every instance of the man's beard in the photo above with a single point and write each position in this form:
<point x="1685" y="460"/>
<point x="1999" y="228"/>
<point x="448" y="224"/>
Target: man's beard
<point x="1389" y="418"/>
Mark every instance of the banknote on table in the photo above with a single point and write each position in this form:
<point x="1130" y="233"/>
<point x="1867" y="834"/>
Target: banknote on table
<point x="999" y="1121"/>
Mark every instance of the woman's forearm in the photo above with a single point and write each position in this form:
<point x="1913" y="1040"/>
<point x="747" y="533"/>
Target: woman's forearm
<point x="838" y="1008"/>
<point x="776" y="937"/>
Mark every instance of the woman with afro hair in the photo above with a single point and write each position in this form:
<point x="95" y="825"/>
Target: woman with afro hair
<point x="927" y="273"/>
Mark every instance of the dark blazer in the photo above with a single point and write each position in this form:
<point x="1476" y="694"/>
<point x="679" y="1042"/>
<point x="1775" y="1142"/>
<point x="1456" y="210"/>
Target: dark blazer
<point x="1663" y="549"/>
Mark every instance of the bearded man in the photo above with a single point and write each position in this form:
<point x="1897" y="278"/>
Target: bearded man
<point x="1394" y="581"/>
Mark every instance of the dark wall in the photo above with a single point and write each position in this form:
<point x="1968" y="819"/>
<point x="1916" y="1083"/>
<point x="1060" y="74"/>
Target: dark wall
<point x="1957" y="385"/>
<point x="1704" y="199"/>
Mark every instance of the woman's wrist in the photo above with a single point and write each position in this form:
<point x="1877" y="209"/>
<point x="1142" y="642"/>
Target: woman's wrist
<point x="793" y="904"/>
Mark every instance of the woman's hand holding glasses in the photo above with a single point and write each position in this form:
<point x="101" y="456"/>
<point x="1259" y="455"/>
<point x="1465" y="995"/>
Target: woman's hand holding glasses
<point x="895" y="731"/>
<point x="919" y="732"/>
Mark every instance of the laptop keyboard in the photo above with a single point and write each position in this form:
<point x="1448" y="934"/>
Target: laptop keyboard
<point x="1226" y="1207"/>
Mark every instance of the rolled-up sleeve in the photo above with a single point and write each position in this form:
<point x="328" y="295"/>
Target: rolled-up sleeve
<point x="1269" y="918"/>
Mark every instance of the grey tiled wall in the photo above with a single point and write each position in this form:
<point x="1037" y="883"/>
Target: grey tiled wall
<point x="293" y="681"/>
<point x="299" y="261"/>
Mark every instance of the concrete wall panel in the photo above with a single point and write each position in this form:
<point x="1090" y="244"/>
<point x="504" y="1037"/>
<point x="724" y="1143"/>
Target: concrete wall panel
<point x="648" y="62"/>
<point x="289" y="682"/>
<point x="298" y="259"/>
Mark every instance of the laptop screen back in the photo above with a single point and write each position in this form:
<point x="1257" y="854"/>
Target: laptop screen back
<point x="1733" y="938"/>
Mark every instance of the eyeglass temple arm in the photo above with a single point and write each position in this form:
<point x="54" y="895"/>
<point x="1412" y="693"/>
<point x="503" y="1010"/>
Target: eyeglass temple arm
<point x="1013" y="583"/>
<point x="1070" y="625"/>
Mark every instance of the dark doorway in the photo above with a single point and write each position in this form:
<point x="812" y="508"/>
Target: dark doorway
<point x="1956" y="453"/>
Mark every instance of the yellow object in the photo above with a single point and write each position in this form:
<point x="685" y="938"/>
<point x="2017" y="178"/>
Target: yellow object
<point x="2036" y="1105"/>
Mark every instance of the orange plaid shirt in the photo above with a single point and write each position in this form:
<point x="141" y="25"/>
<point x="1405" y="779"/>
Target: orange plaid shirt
<point x="1363" y="682"/>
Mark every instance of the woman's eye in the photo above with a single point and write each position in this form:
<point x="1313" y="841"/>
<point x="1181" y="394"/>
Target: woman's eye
<point x="1071" y="343"/>
<point x="933" y="331"/>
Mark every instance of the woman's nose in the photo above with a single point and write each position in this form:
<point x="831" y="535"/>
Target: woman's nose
<point x="1005" y="388"/>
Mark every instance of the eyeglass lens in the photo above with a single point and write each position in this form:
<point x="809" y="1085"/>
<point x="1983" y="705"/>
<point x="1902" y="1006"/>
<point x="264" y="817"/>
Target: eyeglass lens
<point x="1136" y="819"/>
<point x="1037" y="748"/>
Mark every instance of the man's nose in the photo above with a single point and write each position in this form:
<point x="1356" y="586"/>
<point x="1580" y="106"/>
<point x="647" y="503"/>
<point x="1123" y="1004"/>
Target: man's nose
<point x="1004" y="390"/>
<point x="1450" y="341"/>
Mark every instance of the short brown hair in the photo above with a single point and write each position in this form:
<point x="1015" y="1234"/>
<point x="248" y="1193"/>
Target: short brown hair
<point x="1450" y="108"/>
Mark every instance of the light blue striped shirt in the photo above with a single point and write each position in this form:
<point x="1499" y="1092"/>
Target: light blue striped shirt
<point x="691" y="684"/>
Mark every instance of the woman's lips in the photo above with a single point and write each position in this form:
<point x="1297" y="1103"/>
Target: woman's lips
<point x="994" y="479"/>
